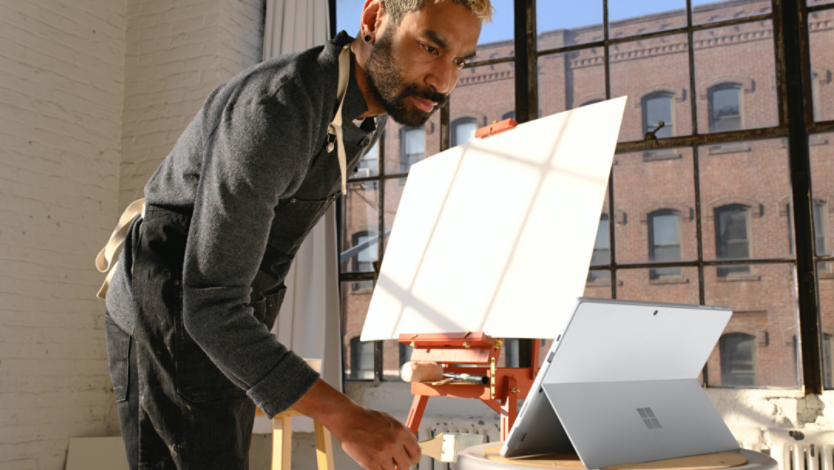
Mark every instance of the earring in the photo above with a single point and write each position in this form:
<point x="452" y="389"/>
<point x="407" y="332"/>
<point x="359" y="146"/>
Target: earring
<point x="367" y="38"/>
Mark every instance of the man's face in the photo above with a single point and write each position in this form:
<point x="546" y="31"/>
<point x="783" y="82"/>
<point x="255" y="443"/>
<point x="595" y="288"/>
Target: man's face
<point x="414" y="66"/>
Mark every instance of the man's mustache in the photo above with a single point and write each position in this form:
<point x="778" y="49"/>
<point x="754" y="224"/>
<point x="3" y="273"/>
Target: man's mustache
<point x="427" y="95"/>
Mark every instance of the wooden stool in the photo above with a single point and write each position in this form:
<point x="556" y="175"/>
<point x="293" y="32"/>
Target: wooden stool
<point x="282" y="441"/>
<point x="486" y="457"/>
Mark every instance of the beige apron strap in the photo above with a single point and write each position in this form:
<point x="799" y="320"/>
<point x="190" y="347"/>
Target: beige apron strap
<point x="117" y="238"/>
<point x="335" y="127"/>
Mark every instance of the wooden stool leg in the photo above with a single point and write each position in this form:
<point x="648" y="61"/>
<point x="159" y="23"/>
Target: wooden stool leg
<point x="282" y="443"/>
<point x="324" y="447"/>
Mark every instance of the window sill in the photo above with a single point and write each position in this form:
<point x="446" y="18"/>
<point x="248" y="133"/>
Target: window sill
<point x="669" y="280"/>
<point x="661" y="155"/>
<point x="362" y="291"/>
<point x="729" y="148"/>
<point x="826" y="275"/>
<point x="739" y="278"/>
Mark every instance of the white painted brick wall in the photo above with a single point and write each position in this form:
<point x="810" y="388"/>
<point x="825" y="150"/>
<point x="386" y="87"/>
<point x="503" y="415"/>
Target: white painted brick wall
<point x="177" y="52"/>
<point x="93" y="95"/>
<point x="61" y="82"/>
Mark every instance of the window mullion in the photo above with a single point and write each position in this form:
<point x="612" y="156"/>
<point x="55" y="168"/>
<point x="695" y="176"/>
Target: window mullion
<point x="791" y="35"/>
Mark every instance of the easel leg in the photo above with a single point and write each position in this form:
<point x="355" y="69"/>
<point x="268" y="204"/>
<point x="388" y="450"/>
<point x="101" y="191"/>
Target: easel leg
<point x="324" y="447"/>
<point x="415" y="415"/>
<point x="509" y="407"/>
<point x="281" y="443"/>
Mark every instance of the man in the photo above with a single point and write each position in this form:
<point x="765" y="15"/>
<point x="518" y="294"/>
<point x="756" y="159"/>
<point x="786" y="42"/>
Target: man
<point x="200" y="278"/>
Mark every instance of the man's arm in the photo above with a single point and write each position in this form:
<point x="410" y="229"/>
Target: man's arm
<point x="375" y="440"/>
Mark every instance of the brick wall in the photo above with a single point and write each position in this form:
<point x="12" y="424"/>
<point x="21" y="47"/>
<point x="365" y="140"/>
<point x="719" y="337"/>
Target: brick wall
<point x="93" y="95"/>
<point x="61" y="81"/>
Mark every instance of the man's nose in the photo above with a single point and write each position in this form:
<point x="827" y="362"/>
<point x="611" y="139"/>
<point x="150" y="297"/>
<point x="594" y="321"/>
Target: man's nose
<point x="440" y="77"/>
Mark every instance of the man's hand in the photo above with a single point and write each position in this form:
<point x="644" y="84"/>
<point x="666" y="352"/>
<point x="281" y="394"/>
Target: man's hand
<point x="375" y="440"/>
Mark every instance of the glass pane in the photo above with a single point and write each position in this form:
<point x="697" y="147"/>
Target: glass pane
<point x="745" y="202"/>
<point x="634" y="17"/>
<point x="710" y="11"/>
<point x="758" y="347"/>
<point x="645" y="285"/>
<point x="822" y="62"/>
<point x="496" y="38"/>
<point x="567" y="81"/>
<point x="358" y="356"/>
<point x="563" y="23"/>
<point x="654" y="74"/>
<point x="391" y="360"/>
<point x="368" y="164"/>
<point x="348" y="13"/>
<point x="483" y="95"/>
<point x="822" y="180"/>
<point x="825" y="286"/>
<point x="654" y="193"/>
<point x="598" y="285"/>
<point x="405" y="146"/>
<point x="361" y="227"/>
<point x="393" y="193"/>
<point x="818" y="2"/>
<point x="742" y="96"/>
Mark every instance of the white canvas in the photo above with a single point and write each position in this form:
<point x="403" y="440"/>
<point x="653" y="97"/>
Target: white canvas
<point x="496" y="235"/>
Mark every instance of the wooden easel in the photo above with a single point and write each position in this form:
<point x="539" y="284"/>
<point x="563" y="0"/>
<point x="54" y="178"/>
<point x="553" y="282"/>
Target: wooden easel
<point x="506" y="384"/>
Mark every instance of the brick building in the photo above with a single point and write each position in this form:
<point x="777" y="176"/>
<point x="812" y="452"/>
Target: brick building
<point x="744" y="187"/>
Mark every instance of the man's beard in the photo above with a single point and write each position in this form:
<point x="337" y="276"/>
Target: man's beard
<point x="386" y="84"/>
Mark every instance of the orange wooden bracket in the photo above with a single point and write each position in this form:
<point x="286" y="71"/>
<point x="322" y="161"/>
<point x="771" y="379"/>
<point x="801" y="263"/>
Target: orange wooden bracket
<point x="470" y="348"/>
<point x="495" y="128"/>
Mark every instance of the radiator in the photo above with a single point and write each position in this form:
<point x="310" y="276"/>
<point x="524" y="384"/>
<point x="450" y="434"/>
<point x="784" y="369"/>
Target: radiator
<point x="803" y="450"/>
<point x="431" y="426"/>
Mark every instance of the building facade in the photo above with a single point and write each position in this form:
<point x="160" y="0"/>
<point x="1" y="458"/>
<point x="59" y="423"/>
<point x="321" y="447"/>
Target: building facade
<point x="739" y="192"/>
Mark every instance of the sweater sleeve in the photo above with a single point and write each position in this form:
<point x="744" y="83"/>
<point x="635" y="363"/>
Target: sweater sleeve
<point x="252" y="157"/>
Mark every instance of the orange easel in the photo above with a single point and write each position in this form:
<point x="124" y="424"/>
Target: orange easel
<point x="506" y="384"/>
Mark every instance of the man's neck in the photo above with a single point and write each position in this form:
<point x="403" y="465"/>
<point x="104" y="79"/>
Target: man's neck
<point x="361" y="50"/>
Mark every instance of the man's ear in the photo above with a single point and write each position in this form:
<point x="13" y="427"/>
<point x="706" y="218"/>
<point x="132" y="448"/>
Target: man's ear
<point x="373" y="14"/>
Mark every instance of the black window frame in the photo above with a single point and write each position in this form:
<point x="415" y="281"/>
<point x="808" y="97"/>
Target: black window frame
<point x="457" y="122"/>
<point x="663" y="273"/>
<point x="795" y="123"/>
<point x="711" y="91"/>
<point x="729" y="376"/>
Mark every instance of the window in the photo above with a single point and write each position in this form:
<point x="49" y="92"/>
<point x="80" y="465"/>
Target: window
<point x="732" y="237"/>
<point x="508" y="115"/>
<point x="361" y="359"/>
<point x="413" y="147"/>
<point x="714" y="73"/>
<point x="657" y="107"/>
<point x="365" y="242"/>
<point x="602" y="250"/>
<point x="511" y="352"/>
<point x="463" y="130"/>
<point x="369" y="163"/>
<point x="725" y="107"/>
<point x="820" y="225"/>
<point x="664" y="242"/>
<point x="405" y="353"/>
<point x="738" y="360"/>
<point x="828" y="377"/>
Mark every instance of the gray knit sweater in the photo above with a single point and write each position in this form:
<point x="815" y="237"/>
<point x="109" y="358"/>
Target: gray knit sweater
<point x="253" y="172"/>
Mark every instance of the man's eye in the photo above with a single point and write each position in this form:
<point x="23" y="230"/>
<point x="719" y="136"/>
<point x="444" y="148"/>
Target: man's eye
<point x="430" y="49"/>
<point x="460" y="63"/>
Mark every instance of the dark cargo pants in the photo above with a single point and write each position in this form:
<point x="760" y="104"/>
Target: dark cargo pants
<point x="176" y="409"/>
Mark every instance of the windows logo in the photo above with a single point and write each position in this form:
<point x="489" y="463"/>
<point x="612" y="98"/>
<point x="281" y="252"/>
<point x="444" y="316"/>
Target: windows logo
<point x="648" y="417"/>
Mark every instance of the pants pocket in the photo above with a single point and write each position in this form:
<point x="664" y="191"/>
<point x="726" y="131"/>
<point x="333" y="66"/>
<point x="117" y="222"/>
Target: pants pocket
<point x="118" y="353"/>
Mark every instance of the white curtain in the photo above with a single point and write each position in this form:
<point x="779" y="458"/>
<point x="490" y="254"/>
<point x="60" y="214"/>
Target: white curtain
<point x="309" y="321"/>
